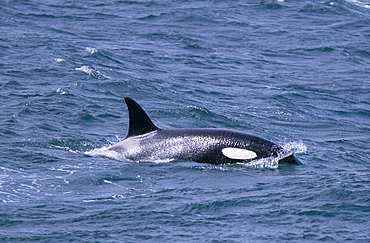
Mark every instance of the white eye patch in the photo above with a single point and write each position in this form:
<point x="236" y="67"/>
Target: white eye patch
<point x="238" y="153"/>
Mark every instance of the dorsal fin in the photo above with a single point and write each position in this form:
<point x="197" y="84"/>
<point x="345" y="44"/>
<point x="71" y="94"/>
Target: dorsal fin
<point x="139" y="121"/>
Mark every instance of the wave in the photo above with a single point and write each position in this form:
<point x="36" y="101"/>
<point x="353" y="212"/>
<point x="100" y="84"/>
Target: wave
<point x="364" y="4"/>
<point x="92" y="72"/>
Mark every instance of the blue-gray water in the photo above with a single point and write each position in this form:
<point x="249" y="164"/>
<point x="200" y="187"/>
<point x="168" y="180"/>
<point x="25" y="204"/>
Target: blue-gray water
<point x="294" y="72"/>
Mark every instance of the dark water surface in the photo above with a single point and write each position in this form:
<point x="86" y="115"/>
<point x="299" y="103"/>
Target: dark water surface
<point x="294" y="72"/>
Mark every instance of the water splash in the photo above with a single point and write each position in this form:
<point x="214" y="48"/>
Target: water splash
<point x="273" y="162"/>
<point x="295" y="147"/>
<point x="92" y="72"/>
<point x="359" y="3"/>
<point x="59" y="59"/>
<point x="264" y="163"/>
<point x="91" y="50"/>
<point x="105" y="152"/>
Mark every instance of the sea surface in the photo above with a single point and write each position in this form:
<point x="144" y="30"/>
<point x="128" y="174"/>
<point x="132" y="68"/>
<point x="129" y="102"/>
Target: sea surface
<point x="294" y="72"/>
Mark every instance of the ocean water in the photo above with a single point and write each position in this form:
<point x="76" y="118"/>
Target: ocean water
<point x="294" y="72"/>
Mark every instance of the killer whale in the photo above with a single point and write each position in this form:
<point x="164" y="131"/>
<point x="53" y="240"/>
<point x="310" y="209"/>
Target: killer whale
<point x="146" y="142"/>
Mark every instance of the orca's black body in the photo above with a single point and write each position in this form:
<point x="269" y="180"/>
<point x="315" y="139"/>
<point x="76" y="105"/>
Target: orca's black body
<point x="145" y="141"/>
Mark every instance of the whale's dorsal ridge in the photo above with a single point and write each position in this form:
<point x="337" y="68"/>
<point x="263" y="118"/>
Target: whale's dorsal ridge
<point x="139" y="121"/>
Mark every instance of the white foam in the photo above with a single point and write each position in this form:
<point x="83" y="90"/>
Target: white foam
<point x="359" y="3"/>
<point x="65" y="148"/>
<point x="295" y="147"/>
<point x="59" y="60"/>
<point x="61" y="91"/>
<point x="91" y="50"/>
<point x="264" y="163"/>
<point x="273" y="162"/>
<point x="91" y="71"/>
<point x="105" y="152"/>
<point x="86" y="69"/>
<point x="158" y="161"/>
